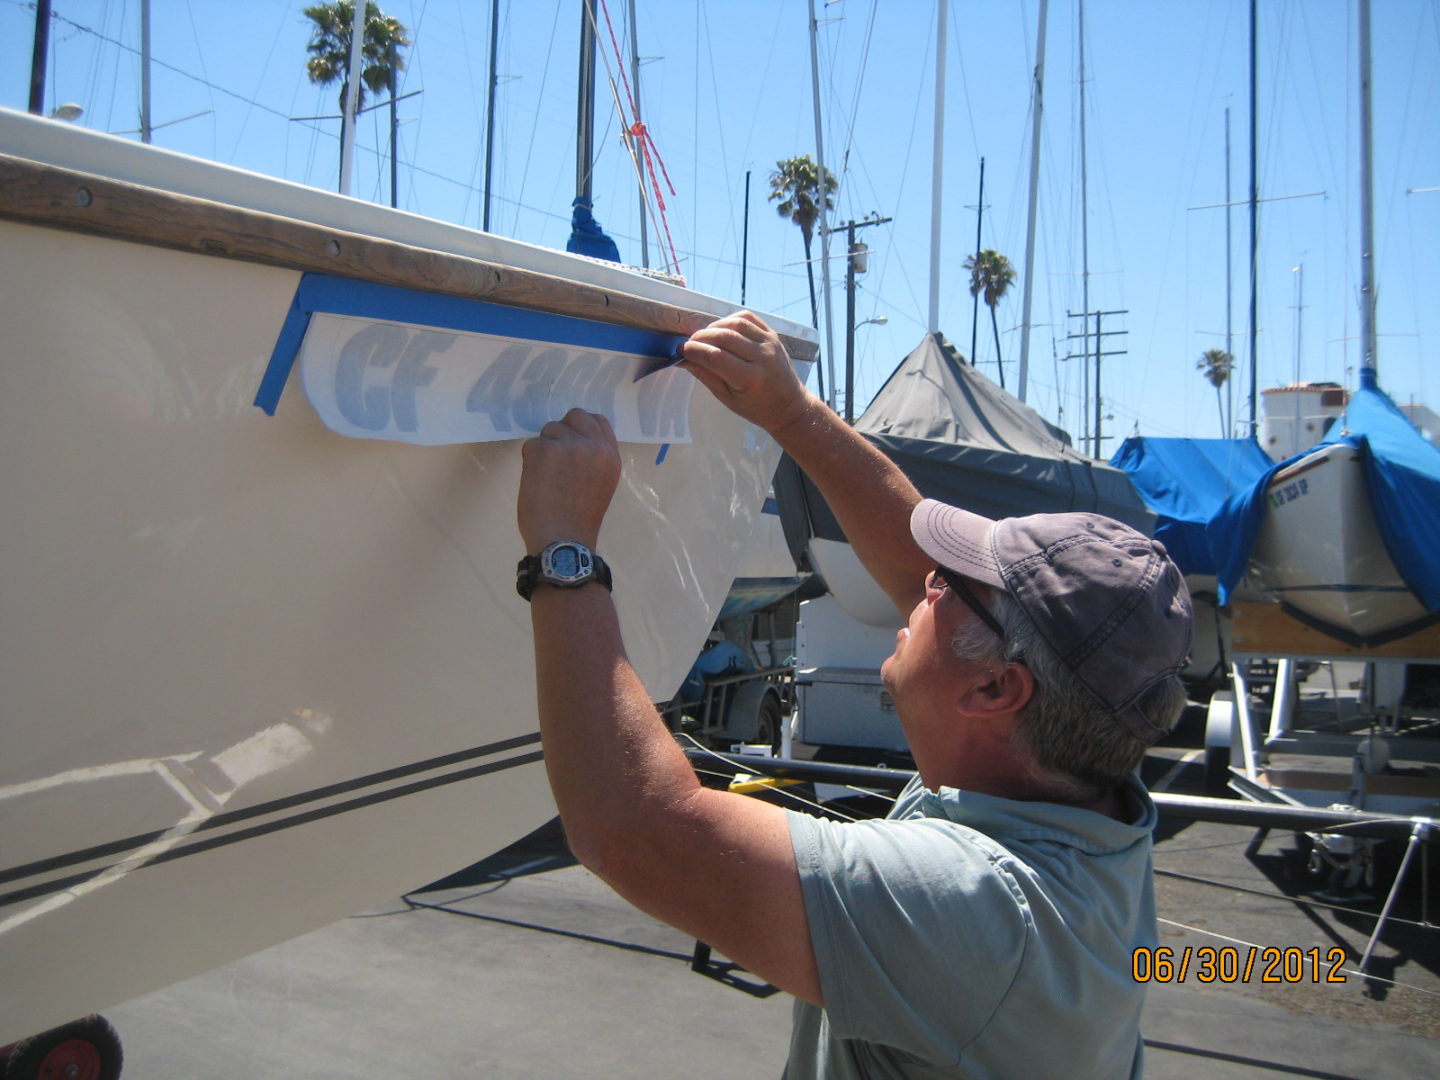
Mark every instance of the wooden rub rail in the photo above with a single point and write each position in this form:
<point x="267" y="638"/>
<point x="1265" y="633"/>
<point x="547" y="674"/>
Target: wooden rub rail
<point x="47" y="195"/>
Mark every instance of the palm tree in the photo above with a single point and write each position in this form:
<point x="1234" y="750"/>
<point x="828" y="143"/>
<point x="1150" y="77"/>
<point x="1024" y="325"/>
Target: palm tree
<point x="796" y="182"/>
<point x="329" y="50"/>
<point x="992" y="274"/>
<point x="1217" y="364"/>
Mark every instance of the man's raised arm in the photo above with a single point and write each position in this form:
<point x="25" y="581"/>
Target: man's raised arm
<point x="742" y="362"/>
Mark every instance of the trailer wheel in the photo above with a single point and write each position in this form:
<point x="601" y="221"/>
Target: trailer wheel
<point x="1219" y="734"/>
<point x="85" y="1049"/>
<point x="767" y="723"/>
<point x="755" y="714"/>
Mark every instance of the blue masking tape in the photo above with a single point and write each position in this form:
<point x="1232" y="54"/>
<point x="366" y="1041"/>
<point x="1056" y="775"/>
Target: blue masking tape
<point x="363" y="299"/>
<point x="282" y="357"/>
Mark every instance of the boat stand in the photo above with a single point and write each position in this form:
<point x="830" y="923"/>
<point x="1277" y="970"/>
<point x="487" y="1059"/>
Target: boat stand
<point x="1343" y="764"/>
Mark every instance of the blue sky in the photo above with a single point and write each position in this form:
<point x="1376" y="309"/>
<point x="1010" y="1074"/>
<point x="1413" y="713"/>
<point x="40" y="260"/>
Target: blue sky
<point x="726" y="89"/>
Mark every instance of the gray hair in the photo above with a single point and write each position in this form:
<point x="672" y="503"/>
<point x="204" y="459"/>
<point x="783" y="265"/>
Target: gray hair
<point x="1079" y="748"/>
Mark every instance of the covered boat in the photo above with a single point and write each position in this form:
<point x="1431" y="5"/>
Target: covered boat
<point x="1186" y="482"/>
<point x="1343" y="534"/>
<point x="964" y="440"/>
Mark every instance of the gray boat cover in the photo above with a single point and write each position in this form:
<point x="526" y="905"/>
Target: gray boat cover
<point x="962" y="439"/>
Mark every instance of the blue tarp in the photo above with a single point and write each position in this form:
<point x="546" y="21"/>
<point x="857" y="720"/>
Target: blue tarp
<point x="1186" y="482"/>
<point x="1403" y="471"/>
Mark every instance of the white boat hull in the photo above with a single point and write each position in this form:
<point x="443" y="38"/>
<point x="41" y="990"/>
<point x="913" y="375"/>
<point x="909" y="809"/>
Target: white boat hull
<point x="257" y="675"/>
<point x="767" y="571"/>
<point x="1320" y="552"/>
<point x="846" y="579"/>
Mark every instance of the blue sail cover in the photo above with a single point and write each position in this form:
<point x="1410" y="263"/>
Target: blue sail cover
<point x="586" y="236"/>
<point x="1403" y="471"/>
<point x="1186" y="482"/>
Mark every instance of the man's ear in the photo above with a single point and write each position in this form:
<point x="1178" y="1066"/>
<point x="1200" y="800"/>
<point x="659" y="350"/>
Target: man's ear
<point x="1006" y="691"/>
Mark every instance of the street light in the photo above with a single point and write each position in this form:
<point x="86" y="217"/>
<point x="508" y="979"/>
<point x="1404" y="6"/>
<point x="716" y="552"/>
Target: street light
<point x="69" y="111"/>
<point x="878" y="320"/>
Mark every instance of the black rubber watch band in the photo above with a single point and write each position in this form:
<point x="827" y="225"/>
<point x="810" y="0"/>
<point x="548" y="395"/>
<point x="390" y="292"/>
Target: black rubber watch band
<point x="565" y="564"/>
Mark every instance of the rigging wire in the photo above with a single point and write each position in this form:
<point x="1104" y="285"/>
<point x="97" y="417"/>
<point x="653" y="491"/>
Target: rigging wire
<point x="535" y="128"/>
<point x="1298" y="901"/>
<point x="637" y="133"/>
<point x="204" y="71"/>
<point x="759" y="771"/>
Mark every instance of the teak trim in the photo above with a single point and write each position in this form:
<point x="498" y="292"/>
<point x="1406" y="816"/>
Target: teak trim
<point x="55" y="197"/>
<point x="1265" y="629"/>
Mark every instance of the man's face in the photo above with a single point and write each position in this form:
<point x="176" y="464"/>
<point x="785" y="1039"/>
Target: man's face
<point x="924" y="672"/>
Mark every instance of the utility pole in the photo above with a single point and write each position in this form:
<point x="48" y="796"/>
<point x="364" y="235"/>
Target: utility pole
<point x="1099" y="335"/>
<point x="854" y="263"/>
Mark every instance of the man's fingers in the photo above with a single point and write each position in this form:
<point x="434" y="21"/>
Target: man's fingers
<point x="578" y="422"/>
<point x="708" y="379"/>
<point x="698" y="321"/>
<point x="721" y="368"/>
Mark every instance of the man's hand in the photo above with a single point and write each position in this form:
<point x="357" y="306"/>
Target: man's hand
<point x="742" y="362"/>
<point x="568" y="478"/>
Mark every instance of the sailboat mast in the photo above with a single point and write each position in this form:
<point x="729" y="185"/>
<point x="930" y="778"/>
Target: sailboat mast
<point x="490" y="114"/>
<point x="1229" y="431"/>
<point x="1254" y="237"/>
<point x="745" y="240"/>
<point x="39" y="57"/>
<point x="937" y="170"/>
<point x="1029" y="289"/>
<point x="1367" y="212"/>
<point x="975" y="297"/>
<point x="824" y="225"/>
<point x="145" y="128"/>
<point x="635" y="104"/>
<point x="585" y="107"/>
<point x="1085" y="242"/>
<point x="352" y="97"/>
<point x="1299" y="273"/>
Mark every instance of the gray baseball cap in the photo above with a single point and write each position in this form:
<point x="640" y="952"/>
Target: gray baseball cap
<point x="1107" y="599"/>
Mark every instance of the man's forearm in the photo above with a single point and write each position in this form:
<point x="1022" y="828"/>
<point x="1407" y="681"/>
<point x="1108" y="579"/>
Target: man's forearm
<point x="610" y="760"/>
<point x="715" y="865"/>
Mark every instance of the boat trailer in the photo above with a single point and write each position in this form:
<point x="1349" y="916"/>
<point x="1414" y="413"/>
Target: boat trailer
<point x="755" y="775"/>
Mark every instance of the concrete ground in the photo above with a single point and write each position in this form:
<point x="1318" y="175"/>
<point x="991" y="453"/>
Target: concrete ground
<point x="528" y="966"/>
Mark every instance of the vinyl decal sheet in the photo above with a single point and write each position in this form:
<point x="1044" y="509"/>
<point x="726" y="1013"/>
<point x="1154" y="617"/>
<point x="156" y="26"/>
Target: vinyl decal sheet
<point x="383" y="363"/>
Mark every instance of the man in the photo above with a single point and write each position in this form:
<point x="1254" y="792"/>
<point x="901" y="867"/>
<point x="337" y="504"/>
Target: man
<point x="987" y="928"/>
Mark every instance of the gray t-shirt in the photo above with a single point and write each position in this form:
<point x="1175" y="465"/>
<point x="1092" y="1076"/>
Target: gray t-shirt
<point x="973" y="936"/>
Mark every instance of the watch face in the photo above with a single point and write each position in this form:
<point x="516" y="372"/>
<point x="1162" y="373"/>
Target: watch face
<point x="566" y="562"/>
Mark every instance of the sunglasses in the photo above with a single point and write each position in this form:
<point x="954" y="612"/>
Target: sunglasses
<point x="948" y="579"/>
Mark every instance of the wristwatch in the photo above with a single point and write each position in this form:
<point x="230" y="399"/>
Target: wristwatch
<point x="566" y="564"/>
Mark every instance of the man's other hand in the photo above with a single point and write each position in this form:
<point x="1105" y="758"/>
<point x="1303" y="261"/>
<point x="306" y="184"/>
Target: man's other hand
<point x="569" y="475"/>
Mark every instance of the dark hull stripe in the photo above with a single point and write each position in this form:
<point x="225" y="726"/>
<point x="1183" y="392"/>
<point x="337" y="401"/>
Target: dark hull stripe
<point x="276" y="806"/>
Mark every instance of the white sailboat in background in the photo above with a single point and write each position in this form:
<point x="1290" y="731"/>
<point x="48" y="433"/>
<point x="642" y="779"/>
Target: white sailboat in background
<point x="1320" y="550"/>
<point x="1346" y="536"/>
<point x="259" y="675"/>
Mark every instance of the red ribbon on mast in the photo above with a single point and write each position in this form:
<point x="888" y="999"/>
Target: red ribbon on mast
<point x="650" y="152"/>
